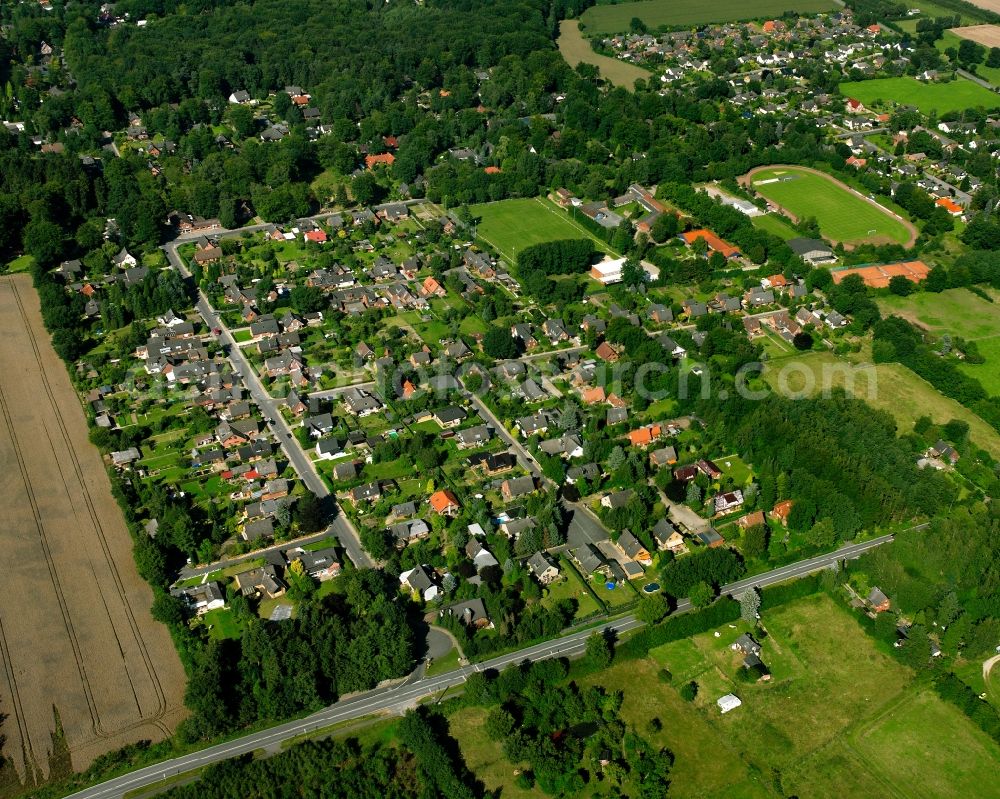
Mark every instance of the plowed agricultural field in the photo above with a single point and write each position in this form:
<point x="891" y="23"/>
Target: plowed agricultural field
<point x="77" y="640"/>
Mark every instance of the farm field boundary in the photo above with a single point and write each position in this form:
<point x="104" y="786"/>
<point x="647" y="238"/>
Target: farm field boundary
<point x="615" y="18"/>
<point x="81" y="660"/>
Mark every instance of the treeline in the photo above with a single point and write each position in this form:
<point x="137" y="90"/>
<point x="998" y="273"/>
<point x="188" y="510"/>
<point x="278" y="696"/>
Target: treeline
<point x="330" y="768"/>
<point x="723" y="611"/>
<point x="562" y="257"/>
<point x="439" y="762"/>
<point x="898" y="340"/>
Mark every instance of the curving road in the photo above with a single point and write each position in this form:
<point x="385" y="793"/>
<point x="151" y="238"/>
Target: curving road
<point x="400" y="696"/>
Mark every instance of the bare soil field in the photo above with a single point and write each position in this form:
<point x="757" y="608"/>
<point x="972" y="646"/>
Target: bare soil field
<point x="78" y="647"/>
<point x="575" y="48"/>
<point x="989" y="5"/>
<point x="988" y="35"/>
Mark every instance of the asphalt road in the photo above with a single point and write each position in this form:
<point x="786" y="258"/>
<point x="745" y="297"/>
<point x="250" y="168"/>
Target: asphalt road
<point x="400" y="696"/>
<point x="341" y="527"/>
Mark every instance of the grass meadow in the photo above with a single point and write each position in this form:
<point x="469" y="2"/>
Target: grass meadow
<point x="960" y="313"/>
<point x="957" y="95"/>
<point x="575" y="49"/>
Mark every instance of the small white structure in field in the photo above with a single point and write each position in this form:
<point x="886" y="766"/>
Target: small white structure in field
<point x="728" y="702"/>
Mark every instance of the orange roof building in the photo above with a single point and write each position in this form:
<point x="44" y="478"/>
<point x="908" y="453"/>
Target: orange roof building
<point x="877" y="276"/>
<point x="432" y="288"/>
<point x="769" y="26"/>
<point x="781" y="510"/>
<point x="492" y="170"/>
<point x="445" y="502"/>
<point x="950" y="206"/>
<point x="319" y="236"/>
<point x="372" y="161"/>
<point x="408" y="389"/>
<point x="715" y="244"/>
<point x="592" y="395"/>
<point x="645" y="435"/>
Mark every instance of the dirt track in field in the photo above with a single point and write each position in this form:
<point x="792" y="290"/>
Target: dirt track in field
<point x="988" y="35"/>
<point x="76" y="635"/>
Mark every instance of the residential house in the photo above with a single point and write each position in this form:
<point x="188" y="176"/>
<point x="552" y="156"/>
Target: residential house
<point x="445" y="502"/>
<point x="781" y="511"/>
<point x="632" y="547"/>
<point x="409" y="531"/>
<point x="545" y="571"/>
<point x="369" y="492"/>
<point x="472" y="436"/>
<point x="617" y="499"/>
<point x="516" y="487"/>
<point x="754" y="519"/>
<point x="710" y="538"/>
<point x="450" y="417"/>
<point x="668" y="538"/>
<point x="472" y="613"/>
<point x="645" y="435"/>
<point x="418" y="581"/>
<point x="665" y="456"/>
<point x="728" y="501"/>
<point x="878" y="601"/>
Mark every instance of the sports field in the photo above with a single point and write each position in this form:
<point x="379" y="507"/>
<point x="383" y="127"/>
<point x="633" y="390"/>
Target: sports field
<point x="608" y="18"/>
<point x="843" y="215"/>
<point x="956" y="95"/>
<point x="512" y="225"/>
<point x="575" y="49"/>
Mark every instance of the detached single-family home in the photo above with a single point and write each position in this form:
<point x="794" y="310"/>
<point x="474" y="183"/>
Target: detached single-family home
<point x="445" y="502"/>
<point x="516" y="487"/>
<point x="728" y="501"/>
<point x="633" y="548"/>
<point x="543" y="568"/>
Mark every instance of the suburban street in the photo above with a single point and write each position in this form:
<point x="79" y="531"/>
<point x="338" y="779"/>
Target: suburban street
<point x="341" y="526"/>
<point x="402" y="695"/>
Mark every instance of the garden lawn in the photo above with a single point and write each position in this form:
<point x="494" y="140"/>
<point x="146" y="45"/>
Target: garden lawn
<point x="733" y="466"/>
<point x="842" y="215"/>
<point x="608" y="18"/>
<point x="570" y="586"/>
<point x="942" y="98"/>
<point x="896" y="390"/>
<point x="222" y="624"/>
<point x="512" y="225"/>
